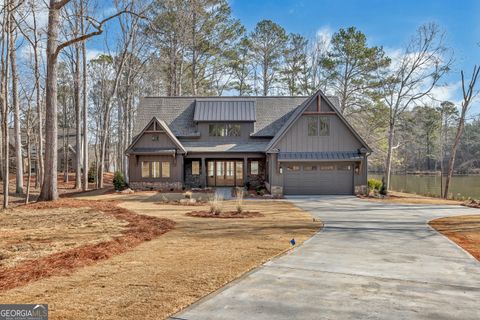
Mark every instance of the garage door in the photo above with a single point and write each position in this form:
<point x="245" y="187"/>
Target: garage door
<point x="318" y="178"/>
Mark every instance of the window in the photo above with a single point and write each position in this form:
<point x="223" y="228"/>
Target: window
<point x="155" y="138"/>
<point x="145" y="169"/>
<point x="324" y="126"/>
<point x="211" y="169"/>
<point x="325" y="167"/>
<point x="318" y="126"/>
<point x="312" y="126"/>
<point x="309" y="168"/>
<point x="165" y="169"/>
<point x="155" y="169"/>
<point x="195" y="168"/>
<point x="254" y="167"/>
<point x="224" y="130"/>
<point x="293" y="168"/>
<point x="344" y="167"/>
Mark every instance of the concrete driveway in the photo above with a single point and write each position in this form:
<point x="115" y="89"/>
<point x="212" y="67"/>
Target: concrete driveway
<point x="371" y="261"/>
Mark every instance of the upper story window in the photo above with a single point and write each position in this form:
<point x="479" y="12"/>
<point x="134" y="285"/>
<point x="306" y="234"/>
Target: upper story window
<point x="318" y="126"/>
<point x="224" y="130"/>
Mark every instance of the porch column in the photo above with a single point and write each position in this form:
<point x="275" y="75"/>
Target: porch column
<point x="245" y="168"/>
<point x="203" y="173"/>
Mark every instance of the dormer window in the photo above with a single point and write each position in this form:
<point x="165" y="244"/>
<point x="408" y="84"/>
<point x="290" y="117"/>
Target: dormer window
<point x="224" y="130"/>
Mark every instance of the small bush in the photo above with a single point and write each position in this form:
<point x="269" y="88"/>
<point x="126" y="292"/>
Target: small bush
<point x="119" y="181"/>
<point x="239" y="200"/>
<point x="383" y="190"/>
<point x="216" y="204"/>
<point x="188" y="195"/>
<point x="374" y="184"/>
<point x="92" y="173"/>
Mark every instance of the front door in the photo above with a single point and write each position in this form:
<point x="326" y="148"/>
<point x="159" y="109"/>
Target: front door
<point x="226" y="173"/>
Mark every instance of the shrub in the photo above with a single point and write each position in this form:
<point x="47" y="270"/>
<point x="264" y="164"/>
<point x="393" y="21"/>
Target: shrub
<point x="383" y="190"/>
<point x="92" y="173"/>
<point x="216" y="204"/>
<point x="239" y="200"/>
<point x="188" y="195"/>
<point x="374" y="184"/>
<point x="119" y="181"/>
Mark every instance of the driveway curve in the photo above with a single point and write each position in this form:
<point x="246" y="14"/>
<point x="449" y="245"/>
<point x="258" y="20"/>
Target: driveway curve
<point x="371" y="261"/>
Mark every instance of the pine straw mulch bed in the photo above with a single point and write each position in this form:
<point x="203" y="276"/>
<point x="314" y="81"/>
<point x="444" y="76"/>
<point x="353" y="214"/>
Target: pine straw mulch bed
<point x="463" y="230"/>
<point x="139" y="229"/>
<point x="225" y="215"/>
<point x="472" y="203"/>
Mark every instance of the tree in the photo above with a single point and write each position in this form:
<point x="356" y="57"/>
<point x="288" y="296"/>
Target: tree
<point x="419" y="69"/>
<point x="268" y="45"/>
<point x="242" y="68"/>
<point x="353" y="68"/>
<point x="470" y="91"/>
<point x="49" y="187"/>
<point x="295" y="64"/>
<point x="16" y="106"/>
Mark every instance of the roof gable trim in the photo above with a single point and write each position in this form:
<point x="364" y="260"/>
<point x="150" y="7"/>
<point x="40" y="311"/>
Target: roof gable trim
<point x="160" y="126"/>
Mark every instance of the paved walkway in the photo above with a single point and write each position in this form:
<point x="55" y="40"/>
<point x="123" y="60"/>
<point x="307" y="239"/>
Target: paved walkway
<point x="371" y="261"/>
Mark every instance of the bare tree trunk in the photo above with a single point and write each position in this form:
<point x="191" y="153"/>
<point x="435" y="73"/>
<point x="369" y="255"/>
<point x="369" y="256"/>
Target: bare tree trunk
<point x="84" y="107"/>
<point x="49" y="187"/>
<point x="16" y="109"/>
<point x="6" y="141"/>
<point x="453" y="154"/>
<point x="78" y="116"/>
<point x="29" y="174"/>
<point x="388" y="161"/>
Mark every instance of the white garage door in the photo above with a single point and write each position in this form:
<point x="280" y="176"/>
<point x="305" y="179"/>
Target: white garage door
<point x="317" y="178"/>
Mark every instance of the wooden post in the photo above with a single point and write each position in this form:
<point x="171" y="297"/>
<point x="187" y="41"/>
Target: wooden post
<point x="203" y="172"/>
<point x="245" y="168"/>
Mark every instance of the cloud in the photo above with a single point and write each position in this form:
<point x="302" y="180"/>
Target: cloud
<point x="93" y="53"/>
<point x="324" y="34"/>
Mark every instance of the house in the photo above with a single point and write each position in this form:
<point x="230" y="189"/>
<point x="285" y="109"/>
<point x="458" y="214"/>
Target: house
<point x="292" y="145"/>
<point x="67" y="136"/>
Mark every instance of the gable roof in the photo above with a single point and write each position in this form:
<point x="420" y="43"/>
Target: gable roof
<point x="224" y="110"/>
<point x="164" y="127"/>
<point x="299" y="111"/>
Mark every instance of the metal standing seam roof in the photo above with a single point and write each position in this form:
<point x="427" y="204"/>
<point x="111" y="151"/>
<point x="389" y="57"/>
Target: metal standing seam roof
<point x="320" y="156"/>
<point x="225" y="110"/>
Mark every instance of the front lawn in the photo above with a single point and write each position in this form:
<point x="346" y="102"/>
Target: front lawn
<point x="463" y="230"/>
<point x="160" y="277"/>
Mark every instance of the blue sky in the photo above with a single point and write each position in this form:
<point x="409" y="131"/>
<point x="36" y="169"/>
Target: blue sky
<point x="386" y="23"/>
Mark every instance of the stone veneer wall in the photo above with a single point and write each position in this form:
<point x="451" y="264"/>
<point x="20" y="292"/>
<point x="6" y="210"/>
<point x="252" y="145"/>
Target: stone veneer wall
<point x="259" y="179"/>
<point x="192" y="181"/>
<point x="157" y="185"/>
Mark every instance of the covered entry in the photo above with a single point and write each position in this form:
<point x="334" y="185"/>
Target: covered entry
<point x="227" y="173"/>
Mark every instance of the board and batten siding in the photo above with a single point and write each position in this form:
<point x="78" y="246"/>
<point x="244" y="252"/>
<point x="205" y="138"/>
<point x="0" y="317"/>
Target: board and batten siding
<point x="147" y="141"/>
<point x="339" y="139"/>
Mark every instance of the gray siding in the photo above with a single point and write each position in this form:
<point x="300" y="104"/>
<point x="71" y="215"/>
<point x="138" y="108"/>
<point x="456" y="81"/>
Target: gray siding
<point x="135" y="168"/>
<point x="146" y="141"/>
<point x="297" y="139"/>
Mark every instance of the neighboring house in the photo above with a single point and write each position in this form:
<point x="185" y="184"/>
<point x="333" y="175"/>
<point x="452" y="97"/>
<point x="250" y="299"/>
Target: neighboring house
<point x="70" y="140"/>
<point x="292" y="145"/>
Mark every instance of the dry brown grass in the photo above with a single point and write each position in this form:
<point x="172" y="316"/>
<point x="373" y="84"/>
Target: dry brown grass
<point x="463" y="230"/>
<point x="164" y="275"/>
<point x="130" y="230"/>
<point x="401" y="197"/>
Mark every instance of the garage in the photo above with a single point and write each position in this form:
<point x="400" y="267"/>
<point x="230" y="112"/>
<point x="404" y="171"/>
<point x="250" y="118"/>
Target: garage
<point x="318" y="178"/>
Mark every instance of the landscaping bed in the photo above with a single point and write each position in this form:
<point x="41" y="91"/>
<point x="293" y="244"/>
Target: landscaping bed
<point x="54" y="238"/>
<point x="463" y="230"/>
<point x="401" y="197"/>
<point x="224" y="214"/>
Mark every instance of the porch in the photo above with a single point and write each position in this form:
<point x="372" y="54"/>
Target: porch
<point x="224" y="170"/>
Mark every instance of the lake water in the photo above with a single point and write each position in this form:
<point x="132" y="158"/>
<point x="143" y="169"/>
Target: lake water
<point x="460" y="186"/>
